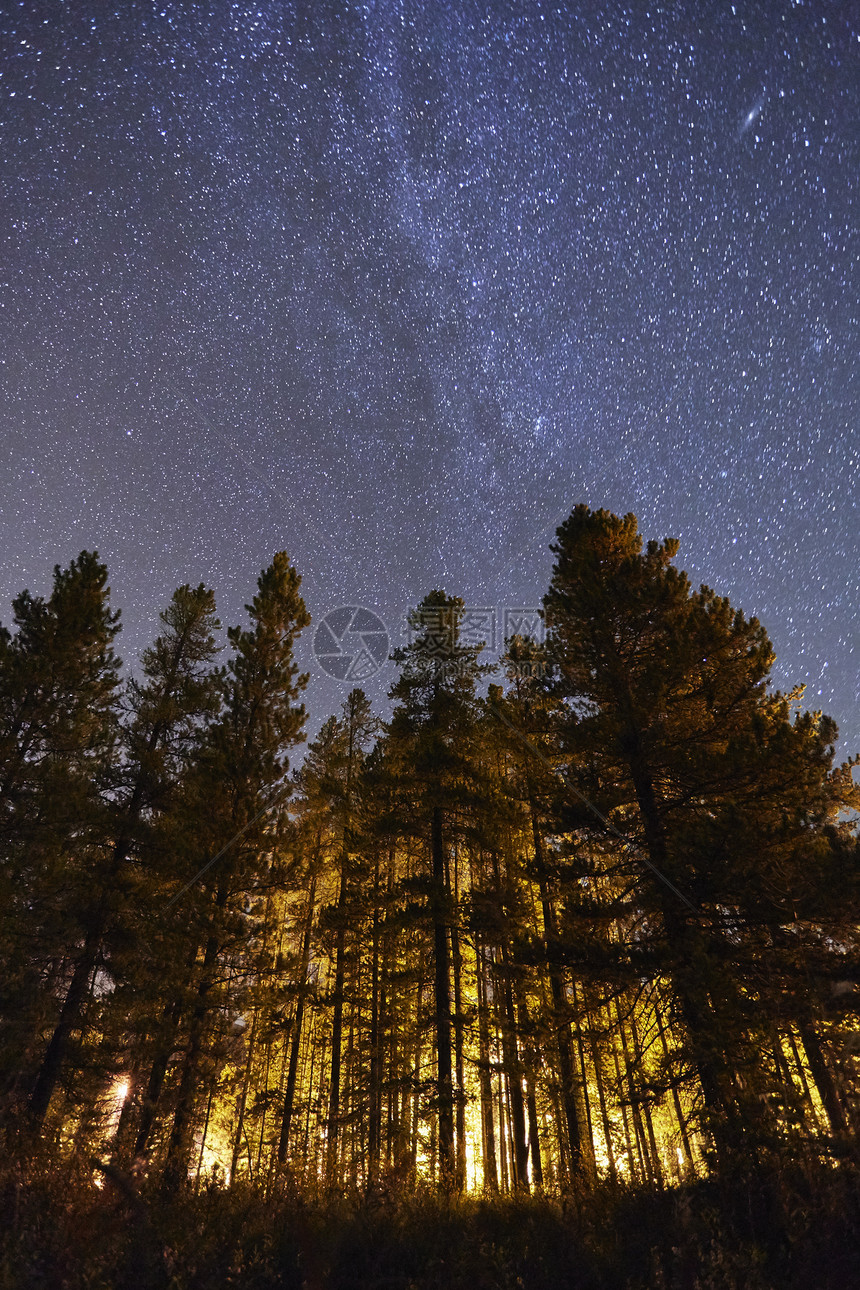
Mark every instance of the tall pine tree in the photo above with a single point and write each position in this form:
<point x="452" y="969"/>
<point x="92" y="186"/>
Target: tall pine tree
<point x="429" y="736"/>
<point x="59" y="681"/>
<point x="240" y="777"/>
<point x="672" y="732"/>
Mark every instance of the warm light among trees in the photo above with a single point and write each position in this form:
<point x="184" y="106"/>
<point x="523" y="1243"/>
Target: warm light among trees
<point x="594" y="916"/>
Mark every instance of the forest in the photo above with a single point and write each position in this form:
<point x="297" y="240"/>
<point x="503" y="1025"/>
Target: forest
<point x="550" y="977"/>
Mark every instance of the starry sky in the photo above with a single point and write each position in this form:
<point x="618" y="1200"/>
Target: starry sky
<point x="394" y="285"/>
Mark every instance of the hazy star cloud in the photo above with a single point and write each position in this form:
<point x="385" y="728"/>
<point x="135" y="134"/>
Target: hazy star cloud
<point x="395" y="287"/>
<point x="753" y="114"/>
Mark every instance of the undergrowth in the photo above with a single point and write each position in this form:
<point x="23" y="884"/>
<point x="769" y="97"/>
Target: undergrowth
<point x="787" y="1229"/>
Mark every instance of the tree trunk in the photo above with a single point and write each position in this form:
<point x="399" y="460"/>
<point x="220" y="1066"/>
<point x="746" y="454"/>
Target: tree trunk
<point x="824" y="1081"/>
<point x="298" y="1019"/>
<point x="709" y="1041"/>
<point x="243" y="1100"/>
<point x="588" y="1136"/>
<point x="513" y="1071"/>
<point x="460" y="1102"/>
<point x="444" y="1083"/>
<point x="488" y="1133"/>
<point x="503" y="1133"/>
<point x="69" y="1020"/>
<point x="641" y="1144"/>
<point x="676" y="1100"/>
<point x="337" y="1029"/>
<point x="529" y="1070"/>
<point x="176" y="1164"/>
<point x="78" y="991"/>
<point x="601" y="1097"/>
<point x="374" y="1104"/>
<point x="628" y="1141"/>
<point x="559" y="1002"/>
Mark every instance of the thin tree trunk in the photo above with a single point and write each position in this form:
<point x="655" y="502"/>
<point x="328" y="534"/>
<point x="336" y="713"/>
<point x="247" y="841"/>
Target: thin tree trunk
<point x="531" y="1103"/>
<point x="69" y="1020"/>
<point x="563" y="1170"/>
<point x="824" y="1081"/>
<point x="491" y="1175"/>
<point x="513" y="1070"/>
<point x="460" y="1104"/>
<point x="298" y="1020"/>
<point x="503" y="1132"/>
<point x="559" y="1002"/>
<point x="260" y="1141"/>
<point x="588" y="1137"/>
<point x="243" y="1100"/>
<point x="444" y="1083"/>
<point x="633" y="1095"/>
<point x="601" y="1097"/>
<point x="415" y="1108"/>
<point x="676" y="1099"/>
<point x="374" y="1108"/>
<point x="646" y="1109"/>
<point x="310" y="1054"/>
<point x="628" y="1141"/>
<point x="348" y="1150"/>
<point x="337" y="1028"/>
<point x="203" y="1136"/>
<point x="809" y="1109"/>
<point x="176" y="1164"/>
<point x="321" y="1153"/>
<point x="165" y="1045"/>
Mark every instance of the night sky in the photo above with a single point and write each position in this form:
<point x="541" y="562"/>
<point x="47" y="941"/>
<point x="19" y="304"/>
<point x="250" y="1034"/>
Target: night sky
<point x="393" y="286"/>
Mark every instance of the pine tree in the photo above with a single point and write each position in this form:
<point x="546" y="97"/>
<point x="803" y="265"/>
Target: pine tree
<point x="429" y="735"/>
<point x="167" y="714"/>
<point x="166" y="709"/>
<point x="672" y="733"/>
<point x="58" y="730"/>
<point x="528" y="715"/>
<point x="356" y="728"/>
<point x="240" y="776"/>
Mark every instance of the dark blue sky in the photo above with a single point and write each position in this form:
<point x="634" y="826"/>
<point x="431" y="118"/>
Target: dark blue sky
<point x="394" y="285"/>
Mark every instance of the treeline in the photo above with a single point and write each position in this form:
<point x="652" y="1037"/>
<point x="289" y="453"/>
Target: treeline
<point x="591" y="914"/>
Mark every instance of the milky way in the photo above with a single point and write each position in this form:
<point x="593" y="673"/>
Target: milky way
<point x="393" y="286"/>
